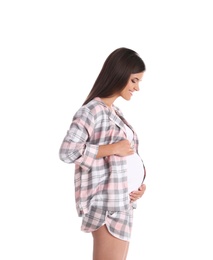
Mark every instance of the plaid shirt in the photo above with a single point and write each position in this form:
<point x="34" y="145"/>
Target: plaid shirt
<point x="103" y="181"/>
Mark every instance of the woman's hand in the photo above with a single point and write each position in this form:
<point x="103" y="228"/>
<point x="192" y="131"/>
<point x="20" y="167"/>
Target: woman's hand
<point x="123" y="148"/>
<point x="137" y="194"/>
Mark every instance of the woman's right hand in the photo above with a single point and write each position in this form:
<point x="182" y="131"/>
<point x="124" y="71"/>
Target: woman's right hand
<point x="123" y="148"/>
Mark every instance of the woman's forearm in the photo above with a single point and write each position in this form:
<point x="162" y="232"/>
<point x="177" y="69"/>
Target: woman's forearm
<point x="105" y="150"/>
<point x="121" y="148"/>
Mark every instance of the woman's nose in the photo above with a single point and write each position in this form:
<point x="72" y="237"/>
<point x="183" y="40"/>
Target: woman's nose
<point x="137" y="87"/>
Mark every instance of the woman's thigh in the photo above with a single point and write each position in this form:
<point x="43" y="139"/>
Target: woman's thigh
<point x="108" y="247"/>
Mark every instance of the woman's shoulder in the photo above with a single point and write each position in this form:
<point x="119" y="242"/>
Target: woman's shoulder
<point x="95" y="108"/>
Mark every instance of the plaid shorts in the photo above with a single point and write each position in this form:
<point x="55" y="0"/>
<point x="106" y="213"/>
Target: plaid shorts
<point x="119" y="224"/>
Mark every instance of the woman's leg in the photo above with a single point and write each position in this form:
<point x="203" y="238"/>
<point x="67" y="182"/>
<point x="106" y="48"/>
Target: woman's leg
<point x="126" y="252"/>
<point x="108" y="247"/>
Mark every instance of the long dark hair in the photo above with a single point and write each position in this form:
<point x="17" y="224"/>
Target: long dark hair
<point x="115" y="73"/>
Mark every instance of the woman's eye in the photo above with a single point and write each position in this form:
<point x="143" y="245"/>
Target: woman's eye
<point x="133" y="81"/>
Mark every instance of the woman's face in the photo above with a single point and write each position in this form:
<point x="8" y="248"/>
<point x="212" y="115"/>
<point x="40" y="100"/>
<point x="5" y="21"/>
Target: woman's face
<point x="132" y="85"/>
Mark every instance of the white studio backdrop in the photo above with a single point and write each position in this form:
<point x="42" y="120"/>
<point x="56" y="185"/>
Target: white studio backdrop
<point x="51" y="53"/>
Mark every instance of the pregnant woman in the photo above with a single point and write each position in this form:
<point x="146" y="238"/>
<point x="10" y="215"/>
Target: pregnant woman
<point x="109" y="172"/>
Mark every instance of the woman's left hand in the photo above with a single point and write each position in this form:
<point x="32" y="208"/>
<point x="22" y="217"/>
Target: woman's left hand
<point x="137" y="194"/>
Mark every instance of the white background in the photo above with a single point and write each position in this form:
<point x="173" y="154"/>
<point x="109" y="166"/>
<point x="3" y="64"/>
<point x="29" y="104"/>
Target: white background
<point x="50" y="55"/>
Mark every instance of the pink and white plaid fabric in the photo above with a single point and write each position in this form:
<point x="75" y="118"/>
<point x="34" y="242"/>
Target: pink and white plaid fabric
<point x="119" y="224"/>
<point x="98" y="182"/>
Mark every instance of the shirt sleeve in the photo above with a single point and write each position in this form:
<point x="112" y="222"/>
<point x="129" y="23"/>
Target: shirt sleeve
<point x="76" y="146"/>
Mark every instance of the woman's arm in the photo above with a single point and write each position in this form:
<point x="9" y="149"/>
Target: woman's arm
<point x="75" y="147"/>
<point x="121" y="148"/>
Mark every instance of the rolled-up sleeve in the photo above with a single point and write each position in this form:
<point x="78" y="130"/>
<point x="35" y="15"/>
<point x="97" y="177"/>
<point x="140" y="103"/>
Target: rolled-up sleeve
<point x="76" y="146"/>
